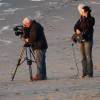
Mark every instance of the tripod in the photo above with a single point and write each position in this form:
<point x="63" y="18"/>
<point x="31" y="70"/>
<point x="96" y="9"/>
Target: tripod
<point x="74" y="56"/>
<point x="29" y="55"/>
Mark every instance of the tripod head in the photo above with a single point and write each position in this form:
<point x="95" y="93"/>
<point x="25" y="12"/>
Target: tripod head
<point x="27" y="44"/>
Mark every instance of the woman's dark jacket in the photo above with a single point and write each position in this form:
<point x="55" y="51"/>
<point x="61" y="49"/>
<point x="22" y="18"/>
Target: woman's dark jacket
<point x="37" y="36"/>
<point x="85" y="25"/>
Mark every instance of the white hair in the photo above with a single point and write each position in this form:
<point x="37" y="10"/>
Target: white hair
<point x="80" y="6"/>
<point x="27" y="19"/>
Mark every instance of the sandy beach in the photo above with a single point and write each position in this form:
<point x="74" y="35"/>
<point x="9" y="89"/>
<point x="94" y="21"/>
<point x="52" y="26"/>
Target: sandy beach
<point x="58" y="18"/>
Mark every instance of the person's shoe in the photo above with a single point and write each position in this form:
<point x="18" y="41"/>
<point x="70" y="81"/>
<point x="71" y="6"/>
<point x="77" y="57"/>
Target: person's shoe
<point x="82" y="77"/>
<point x="36" y="78"/>
<point x="44" y="78"/>
<point x="90" y="76"/>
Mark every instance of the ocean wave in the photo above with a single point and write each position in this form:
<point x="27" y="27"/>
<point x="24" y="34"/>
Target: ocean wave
<point x="5" y="41"/>
<point x="36" y="0"/>
<point x="94" y="2"/>
<point x="2" y="19"/>
<point x="2" y="4"/>
<point x="5" y="28"/>
<point x="38" y="15"/>
<point x="12" y="10"/>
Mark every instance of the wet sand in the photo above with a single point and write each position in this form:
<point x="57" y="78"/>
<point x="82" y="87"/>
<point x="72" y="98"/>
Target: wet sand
<point x="58" y="18"/>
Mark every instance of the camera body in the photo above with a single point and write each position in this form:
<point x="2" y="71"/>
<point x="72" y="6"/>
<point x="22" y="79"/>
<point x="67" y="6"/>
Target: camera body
<point x="78" y="38"/>
<point x="19" y="30"/>
<point x="22" y="31"/>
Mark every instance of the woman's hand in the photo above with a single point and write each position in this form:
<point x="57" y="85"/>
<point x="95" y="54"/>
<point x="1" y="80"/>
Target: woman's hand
<point x="78" y="31"/>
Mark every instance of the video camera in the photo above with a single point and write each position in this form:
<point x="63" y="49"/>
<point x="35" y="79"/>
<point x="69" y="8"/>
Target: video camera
<point x="21" y="31"/>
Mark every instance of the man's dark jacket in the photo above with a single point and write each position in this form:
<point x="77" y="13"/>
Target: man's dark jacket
<point x="85" y="25"/>
<point x="37" y="36"/>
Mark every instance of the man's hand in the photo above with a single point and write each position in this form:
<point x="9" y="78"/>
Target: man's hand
<point x="26" y="40"/>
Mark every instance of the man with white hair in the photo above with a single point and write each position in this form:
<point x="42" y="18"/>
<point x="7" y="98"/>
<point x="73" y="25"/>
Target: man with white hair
<point x="27" y="21"/>
<point x="39" y="45"/>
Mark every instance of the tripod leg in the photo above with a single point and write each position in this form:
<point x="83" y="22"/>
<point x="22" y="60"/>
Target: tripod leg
<point x="32" y="53"/>
<point x="29" y="62"/>
<point x="75" y="60"/>
<point x="19" y="60"/>
<point x="30" y="71"/>
<point x="13" y="76"/>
